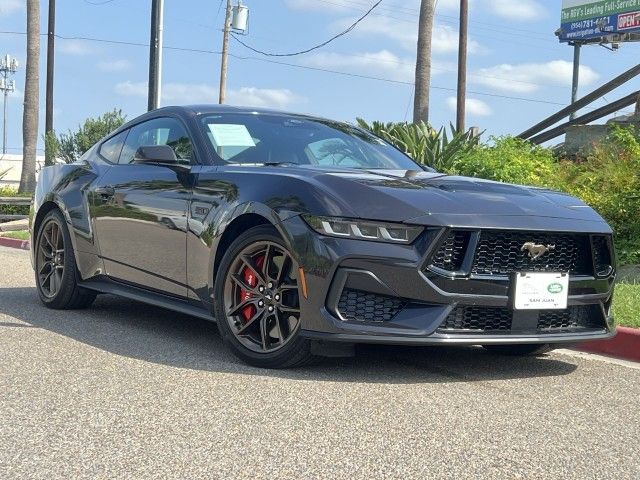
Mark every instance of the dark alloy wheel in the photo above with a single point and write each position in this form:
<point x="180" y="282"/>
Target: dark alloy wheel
<point x="260" y="314"/>
<point x="55" y="266"/>
<point x="50" y="258"/>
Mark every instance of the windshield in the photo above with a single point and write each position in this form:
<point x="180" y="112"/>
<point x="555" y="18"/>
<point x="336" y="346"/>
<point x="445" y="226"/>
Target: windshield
<point x="278" y="139"/>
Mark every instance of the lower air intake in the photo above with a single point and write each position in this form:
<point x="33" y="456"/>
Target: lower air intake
<point x="368" y="307"/>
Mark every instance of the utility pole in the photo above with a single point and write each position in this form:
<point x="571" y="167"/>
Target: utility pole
<point x="576" y="76"/>
<point x="225" y="53"/>
<point x="155" y="54"/>
<point x="462" y="65"/>
<point x="51" y="35"/>
<point x="8" y="66"/>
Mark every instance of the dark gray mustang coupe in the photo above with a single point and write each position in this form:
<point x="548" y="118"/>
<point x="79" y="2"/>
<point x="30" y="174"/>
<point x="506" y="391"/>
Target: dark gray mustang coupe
<point x="303" y="236"/>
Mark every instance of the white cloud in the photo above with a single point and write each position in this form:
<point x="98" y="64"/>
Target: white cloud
<point x="264" y="97"/>
<point x="530" y="77"/>
<point x="473" y="107"/>
<point x="114" y="65"/>
<point x="444" y="40"/>
<point x="131" y="89"/>
<point x="384" y="64"/>
<point x="185" y="93"/>
<point x="9" y="7"/>
<point x="315" y="5"/>
<point x="522" y="10"/>
<point x="74" y="47"/>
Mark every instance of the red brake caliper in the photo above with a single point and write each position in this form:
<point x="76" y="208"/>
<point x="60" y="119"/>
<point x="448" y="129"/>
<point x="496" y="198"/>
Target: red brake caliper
<point x="250" y="277"/>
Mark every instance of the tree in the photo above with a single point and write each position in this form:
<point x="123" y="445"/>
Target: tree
<point x="31" y="99"/>
<point x="423" y="62"/>
<point x="72" y="145"/>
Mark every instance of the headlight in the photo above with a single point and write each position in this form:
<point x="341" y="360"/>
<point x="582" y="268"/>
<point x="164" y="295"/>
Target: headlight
<point x="364" y="229"/>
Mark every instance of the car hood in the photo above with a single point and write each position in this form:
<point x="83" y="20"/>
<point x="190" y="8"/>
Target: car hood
<point x="433" y="198"/>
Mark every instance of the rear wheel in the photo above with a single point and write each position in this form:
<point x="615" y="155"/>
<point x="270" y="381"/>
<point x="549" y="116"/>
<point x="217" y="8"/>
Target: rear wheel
<point x="526" y="350"/>
<point x="55" y="266"/>
<point x="258" y="303"/>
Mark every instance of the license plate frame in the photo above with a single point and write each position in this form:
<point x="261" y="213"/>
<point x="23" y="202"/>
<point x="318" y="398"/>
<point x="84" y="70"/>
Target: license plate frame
<point x="540" y="290"/>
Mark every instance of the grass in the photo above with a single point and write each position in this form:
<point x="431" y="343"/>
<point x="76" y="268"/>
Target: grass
<point x="626" y="305"/>
<point x="20" y="235"/>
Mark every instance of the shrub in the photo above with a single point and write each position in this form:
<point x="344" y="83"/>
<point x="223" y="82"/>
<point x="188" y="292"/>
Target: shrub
<point x="510" y="160"/>
<point x="434" y="148"/>
<point x="609" y="180"/>
<point x="13" y="209"/>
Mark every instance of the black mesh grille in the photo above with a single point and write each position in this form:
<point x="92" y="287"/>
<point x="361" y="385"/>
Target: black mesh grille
<point x="500" y="253"/>
<point x="367" y="306"/>
<point x="580" y="316"/>
<point x="601" y="255"/>
<point x="478" y="318"/>
<point x="452" y="251"/>
<point x="474" y="319"/>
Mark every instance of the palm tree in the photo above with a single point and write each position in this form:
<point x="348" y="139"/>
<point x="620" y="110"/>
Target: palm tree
<point x="31" y="99"/>
<point x="423" y="62"/>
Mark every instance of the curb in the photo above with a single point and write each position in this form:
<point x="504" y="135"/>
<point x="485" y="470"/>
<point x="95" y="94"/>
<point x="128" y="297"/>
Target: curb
<point x="625" y="345"/>
<point x="14" y="243"/>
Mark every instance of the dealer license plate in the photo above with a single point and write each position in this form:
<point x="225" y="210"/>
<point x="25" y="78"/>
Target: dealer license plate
<point x="541" y="291"/>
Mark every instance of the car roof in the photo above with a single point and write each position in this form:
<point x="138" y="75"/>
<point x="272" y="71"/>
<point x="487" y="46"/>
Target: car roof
<point x="198" y="109"/>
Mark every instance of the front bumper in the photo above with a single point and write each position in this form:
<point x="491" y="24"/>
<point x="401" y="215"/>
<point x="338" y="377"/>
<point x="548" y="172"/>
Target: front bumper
<point x="396" y="273"/>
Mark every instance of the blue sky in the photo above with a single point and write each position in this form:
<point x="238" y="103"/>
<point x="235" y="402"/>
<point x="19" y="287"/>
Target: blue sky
<point x="513" y="53"/>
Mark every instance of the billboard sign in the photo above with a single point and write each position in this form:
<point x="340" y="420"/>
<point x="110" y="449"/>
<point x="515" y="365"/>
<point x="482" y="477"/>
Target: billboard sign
<point x="584" y="20"/>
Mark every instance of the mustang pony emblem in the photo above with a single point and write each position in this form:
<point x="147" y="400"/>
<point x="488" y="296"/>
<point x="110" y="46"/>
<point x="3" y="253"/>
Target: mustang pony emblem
<point x="536" y="250"/>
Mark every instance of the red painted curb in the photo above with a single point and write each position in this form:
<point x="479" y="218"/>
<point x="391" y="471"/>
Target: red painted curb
<point x="14" y="243"/>
<point x="625" y="345"/>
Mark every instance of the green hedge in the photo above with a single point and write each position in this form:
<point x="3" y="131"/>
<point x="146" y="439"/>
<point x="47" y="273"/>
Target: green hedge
<point x="13" y="209"/>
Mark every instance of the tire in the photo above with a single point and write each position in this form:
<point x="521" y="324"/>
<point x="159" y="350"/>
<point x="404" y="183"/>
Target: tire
<point x="525" y="350"/>
<point x="245" y="330"/>
<point x="64" y="293"/>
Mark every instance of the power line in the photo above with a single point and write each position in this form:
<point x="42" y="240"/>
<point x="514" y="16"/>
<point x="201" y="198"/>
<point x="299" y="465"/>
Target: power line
<point x="294" y="65"/>
<point x="341" y="34"/>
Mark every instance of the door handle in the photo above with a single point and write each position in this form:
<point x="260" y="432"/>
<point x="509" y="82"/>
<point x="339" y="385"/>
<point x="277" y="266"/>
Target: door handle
<point x="106" y="192"/>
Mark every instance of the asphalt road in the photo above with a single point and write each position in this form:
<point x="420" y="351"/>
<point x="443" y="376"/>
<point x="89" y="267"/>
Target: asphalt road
<point x="124" y="390"/>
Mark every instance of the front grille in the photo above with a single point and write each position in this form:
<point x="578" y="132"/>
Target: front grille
<point x="500" y="253"/>
<point x="478" y="318"/>
<point x="475" y="319"/>
<point x="579" y="316"/>
<point x="368" y="307"/>
<point x="451" y="253"/>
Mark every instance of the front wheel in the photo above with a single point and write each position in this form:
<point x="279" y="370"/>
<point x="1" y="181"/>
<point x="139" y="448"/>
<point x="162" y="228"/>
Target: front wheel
<point x="258" y="301"/>
<point x="526" y="350"/>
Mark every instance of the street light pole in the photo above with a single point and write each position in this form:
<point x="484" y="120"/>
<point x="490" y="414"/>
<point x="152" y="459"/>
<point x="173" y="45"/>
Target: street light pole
<point x="225" y="53"/>
<point x="462" y="66"/>
<point x="8" y="66"/>
<point x="576" y="76"/>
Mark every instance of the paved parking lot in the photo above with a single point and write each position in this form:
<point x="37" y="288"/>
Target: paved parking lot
<point x="124" y="390"/>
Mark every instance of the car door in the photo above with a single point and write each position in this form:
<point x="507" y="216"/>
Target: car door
<point x="140" y="211"/>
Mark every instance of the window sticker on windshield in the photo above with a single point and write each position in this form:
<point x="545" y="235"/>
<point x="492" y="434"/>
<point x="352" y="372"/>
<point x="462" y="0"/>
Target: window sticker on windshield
<point x="231" y="135"/>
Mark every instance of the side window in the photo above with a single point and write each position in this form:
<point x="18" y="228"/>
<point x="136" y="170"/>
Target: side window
<point x="111" y="149"/>
<point x="159" y="131"/>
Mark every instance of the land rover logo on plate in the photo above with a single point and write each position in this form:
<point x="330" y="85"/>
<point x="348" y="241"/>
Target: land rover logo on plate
<point x="555" y="288"/>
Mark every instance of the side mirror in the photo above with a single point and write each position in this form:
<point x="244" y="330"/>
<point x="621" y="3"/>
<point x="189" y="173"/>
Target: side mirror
<point x="160" y="155"/>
